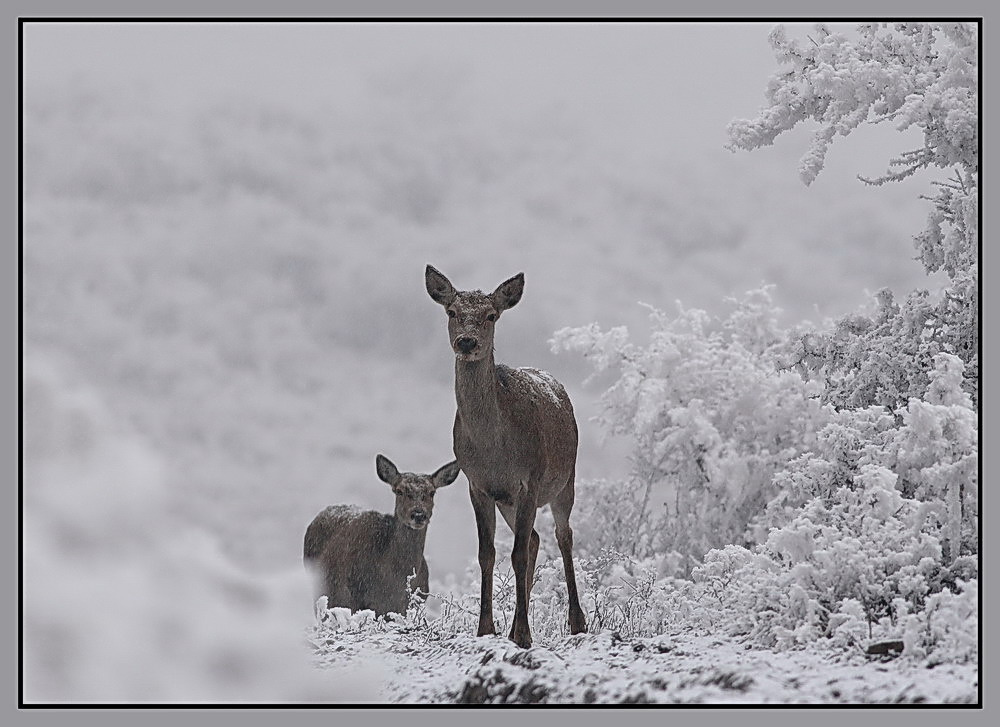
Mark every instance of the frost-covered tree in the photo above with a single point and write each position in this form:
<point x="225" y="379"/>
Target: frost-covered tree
<point x="910" y="75"/>
<point x="823" y="481"/>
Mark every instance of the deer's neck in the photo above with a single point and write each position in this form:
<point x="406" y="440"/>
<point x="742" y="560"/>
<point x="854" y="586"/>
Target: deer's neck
<point x="476" y="392"/>
<point x="410" y="544"/>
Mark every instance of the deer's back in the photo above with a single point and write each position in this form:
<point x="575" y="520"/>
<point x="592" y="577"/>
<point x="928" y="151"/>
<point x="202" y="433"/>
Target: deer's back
<point x="352" y="553"/>
<point x="334" y="521"/>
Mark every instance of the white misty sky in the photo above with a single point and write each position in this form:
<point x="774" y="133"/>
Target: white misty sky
<point x="666" y="89"/>
<point x="670" y="87"/>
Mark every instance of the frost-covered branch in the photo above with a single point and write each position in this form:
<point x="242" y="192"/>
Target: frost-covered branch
<point x="913" y="74"/>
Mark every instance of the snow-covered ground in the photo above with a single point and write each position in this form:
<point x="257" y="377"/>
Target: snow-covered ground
<point x="418" y="665"/>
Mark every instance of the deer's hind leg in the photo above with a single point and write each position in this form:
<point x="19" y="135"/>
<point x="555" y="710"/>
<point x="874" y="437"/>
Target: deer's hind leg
<point x="562" y="506"/>
<point x="508" y="516"/>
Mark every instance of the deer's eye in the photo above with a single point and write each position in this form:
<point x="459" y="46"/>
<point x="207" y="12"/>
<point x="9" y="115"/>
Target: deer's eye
<point x="491" y="317"/>
<point x="451" y="313"/>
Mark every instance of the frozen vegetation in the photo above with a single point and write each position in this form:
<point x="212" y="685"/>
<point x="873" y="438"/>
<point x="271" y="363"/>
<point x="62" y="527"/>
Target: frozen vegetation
<point x="224" y="320"/>
<point x="431" y="663"/>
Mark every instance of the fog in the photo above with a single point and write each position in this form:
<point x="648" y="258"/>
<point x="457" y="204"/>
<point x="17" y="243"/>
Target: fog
<point x="666" y="88"/>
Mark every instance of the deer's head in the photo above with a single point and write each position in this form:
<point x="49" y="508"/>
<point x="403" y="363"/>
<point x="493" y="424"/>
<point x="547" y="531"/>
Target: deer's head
<point x="414" y="492"/>
<point x="472" y="314"/>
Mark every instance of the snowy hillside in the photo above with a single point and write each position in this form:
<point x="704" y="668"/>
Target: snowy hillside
<point x="678" y="667"/>
<point x="123" y="599"/>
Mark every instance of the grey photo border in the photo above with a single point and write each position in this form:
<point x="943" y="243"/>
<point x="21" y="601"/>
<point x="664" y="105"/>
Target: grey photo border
<point x="774" y="10"/>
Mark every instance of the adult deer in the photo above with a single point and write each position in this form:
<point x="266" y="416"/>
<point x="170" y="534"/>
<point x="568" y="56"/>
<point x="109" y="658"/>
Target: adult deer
<point x="515" y="438"/>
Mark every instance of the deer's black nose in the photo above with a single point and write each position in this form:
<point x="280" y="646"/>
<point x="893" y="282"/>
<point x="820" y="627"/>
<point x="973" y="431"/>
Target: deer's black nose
<point x="418" y="516"/>
<point x="466" y="344"/>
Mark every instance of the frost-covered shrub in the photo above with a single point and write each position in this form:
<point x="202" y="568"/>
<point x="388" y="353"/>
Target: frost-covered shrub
<point x="621" y="594"/>
<point x="843" y="595"/>
<point x="849" y="440"/>
<point x="618" y="594"/>
<point x="937" y="453"/>
<point x="869" y="513"/>
<point x="606" y="516"/>
<point x="929" y="446"/>
<point x="884" y="357"/>
<point x="712" y="420"/>
<point x="947" y="630"/>
<point x="862" y="528"/>
<point x="728" y="581"/>
<point x="859" y="544"/>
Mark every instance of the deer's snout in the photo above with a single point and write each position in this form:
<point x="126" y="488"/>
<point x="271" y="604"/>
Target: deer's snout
<point x="465" y="344"/>
<point x="419" y="516"/>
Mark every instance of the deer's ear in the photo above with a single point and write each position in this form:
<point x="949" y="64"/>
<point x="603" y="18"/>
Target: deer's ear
<point x="386" y="470"/>
<point x="438" y="286"/>
<point x="508" y="293"/>
<point x="446" y="475"/>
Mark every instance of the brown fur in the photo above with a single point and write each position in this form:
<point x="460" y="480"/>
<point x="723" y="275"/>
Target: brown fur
<point x="361" y="558"/>
<point x="515" y="437"/>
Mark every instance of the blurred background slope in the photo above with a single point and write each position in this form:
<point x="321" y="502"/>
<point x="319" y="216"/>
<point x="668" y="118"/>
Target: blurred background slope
<point x="124" y="600"/>
<point x="225" y="231"/>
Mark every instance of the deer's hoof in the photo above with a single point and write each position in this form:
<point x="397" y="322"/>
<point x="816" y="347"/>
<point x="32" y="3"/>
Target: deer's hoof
<point x="521" y="637"/>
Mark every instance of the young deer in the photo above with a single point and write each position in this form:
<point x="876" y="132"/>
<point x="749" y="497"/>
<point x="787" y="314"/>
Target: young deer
<point x="362" y="558"/>
<point x="515" y="438"/>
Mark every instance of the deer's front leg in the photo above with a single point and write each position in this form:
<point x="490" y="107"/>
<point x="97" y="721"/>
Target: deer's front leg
<point x="520" y="557"/>
<point x="486" y="524"/>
